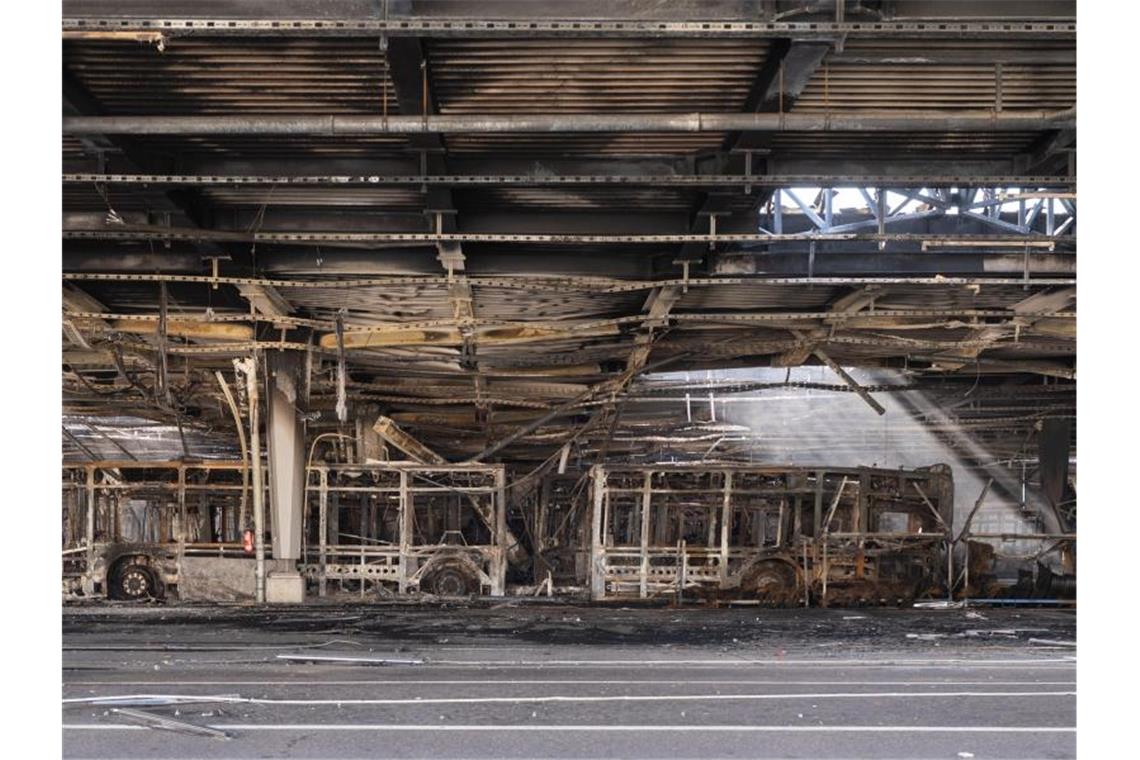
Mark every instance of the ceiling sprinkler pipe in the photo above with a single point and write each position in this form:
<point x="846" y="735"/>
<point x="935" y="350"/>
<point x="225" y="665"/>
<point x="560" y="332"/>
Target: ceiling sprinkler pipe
<point x="853" y="121"/>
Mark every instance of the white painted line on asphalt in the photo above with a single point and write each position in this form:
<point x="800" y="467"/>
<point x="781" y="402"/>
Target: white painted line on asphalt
<point x="581" y="728"/>
<point x="606" y="698"/>
<point x="541" y="682"/>
<point x="772" y="662"/>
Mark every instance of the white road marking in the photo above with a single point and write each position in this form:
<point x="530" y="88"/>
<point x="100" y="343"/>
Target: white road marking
<point x="772" y="662"/>
<point x="607" y="698"/>
<point x="539" y="682"/>
<point x="735" y="662"/>
<point x="581" y="728"/>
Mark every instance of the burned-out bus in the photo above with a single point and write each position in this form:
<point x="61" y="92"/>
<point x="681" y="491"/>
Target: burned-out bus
<point x="404" y="527"/>
<point x="778" y="535"/>
<point x="138" y="530"/>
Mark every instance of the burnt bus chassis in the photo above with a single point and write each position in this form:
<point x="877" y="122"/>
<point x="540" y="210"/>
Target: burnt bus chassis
<point x="387" y="509"/>
<point x="829" y="535"/>
<point x="821" y="539"/>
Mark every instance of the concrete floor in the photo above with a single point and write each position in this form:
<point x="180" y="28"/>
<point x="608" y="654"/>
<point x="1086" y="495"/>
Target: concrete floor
<point x="561" y="681"/>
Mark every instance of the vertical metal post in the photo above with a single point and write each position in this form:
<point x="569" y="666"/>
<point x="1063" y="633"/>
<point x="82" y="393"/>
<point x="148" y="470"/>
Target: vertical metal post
<point x="499" y="497"/>
<point x="643" y="576"/>
<point x="181" y="538"/>
<point x="725" y="527"/>
<point x="881" y="201"/>
<point x="90" y="527"/>
<point x="597" y="551"/>
<point x="966" y="578"/>
<point x="777" y="213"/>
<point x="1050" y="225"/>
<point x="541" y="518"/>
<point x="682" y="568"/>
<point x="818" y="508"/>
<point x="405" y="531"/>
<point x="949" y="569"/>
<point x="115" y="515"/>
<point x="828" y="213"/>
<point x="823" y="601"/>
<point x="323" y="528"/>
<point x="807" y="576"/>
<point x="860" y="521"/>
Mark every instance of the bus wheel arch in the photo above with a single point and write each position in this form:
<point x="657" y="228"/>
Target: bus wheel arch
<point x="133" y="577"/>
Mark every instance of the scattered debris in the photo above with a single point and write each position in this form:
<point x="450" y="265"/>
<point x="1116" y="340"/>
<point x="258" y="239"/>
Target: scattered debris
<point x="943" y="605"/>
<point x="349" y="659"/>
<point x="992" y="632"/>
<point x="161" y="722"/>
<point x="153" y="700"/>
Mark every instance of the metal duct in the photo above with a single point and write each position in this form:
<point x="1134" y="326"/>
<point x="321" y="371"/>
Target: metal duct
<point x="470" y="123"/>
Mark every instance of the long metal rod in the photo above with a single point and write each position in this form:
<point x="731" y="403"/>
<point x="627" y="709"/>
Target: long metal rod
<point x="532" y="180"/>
<point x="444" y="26"/>
<point x="205" y="317"/>
<point x="561" y="284"/>
<point x="855" y="121"/>
<point x="860" y="390"/>
<point x="303" y="237"/>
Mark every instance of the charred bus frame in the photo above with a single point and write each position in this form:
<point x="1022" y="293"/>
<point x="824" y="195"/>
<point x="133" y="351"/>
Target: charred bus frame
<point x="127" y="525"/>
<point x="782" y="535"/>
<point x="408" y="526"/>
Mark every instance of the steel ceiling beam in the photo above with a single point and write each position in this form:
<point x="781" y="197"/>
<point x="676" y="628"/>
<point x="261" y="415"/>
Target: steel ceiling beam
<point x="290" y="237"/>
<point x="581" y="28"/>
<point x="539" y="180"/>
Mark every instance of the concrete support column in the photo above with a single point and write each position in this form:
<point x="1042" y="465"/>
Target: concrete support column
<point x="286" y="444"/>
<point x="286" y="434"/>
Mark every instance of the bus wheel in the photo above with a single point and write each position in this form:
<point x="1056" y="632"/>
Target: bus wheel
<point x="134" y="582"/>
<point x="773" y="582"/>
<point x="449" y="580"/>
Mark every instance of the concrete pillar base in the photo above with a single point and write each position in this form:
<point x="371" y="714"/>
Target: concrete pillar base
<point x="284" y="587"/>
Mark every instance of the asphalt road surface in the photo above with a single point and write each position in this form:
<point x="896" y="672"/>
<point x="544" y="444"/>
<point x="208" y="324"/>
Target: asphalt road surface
<point x="559" y="681"/>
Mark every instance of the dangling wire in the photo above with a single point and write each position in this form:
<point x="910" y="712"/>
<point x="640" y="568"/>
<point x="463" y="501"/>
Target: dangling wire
<point x="977" y="376"/>
<point x="113" y="216"/>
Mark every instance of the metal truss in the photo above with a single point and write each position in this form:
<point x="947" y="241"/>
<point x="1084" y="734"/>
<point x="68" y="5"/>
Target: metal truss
<point x="1036" y="215"/>
<point x="468" y="27"/>
<point x="528" y="180"/>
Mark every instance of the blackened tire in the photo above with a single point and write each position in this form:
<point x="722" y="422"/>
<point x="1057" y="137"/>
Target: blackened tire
<point x="449" y="580"/>
<point x="134" y="583"/>
<point x="773" y="582"/>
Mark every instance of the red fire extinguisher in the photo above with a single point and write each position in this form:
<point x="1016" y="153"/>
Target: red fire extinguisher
<point x="247" y="542"/>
